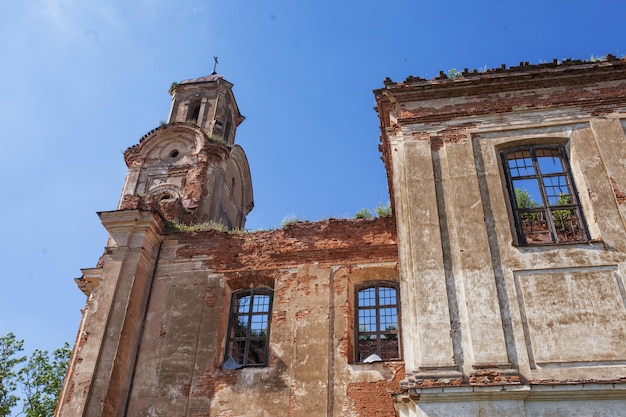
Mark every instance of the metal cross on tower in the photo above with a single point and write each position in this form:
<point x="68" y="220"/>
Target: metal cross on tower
<point x="214" y="65"/>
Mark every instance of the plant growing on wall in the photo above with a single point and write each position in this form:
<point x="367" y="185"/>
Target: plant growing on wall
<point x="453" y="73"/>
<point x="363" y="214"/>
<point x="383" y="210"/>
<point x="289" y="219"/>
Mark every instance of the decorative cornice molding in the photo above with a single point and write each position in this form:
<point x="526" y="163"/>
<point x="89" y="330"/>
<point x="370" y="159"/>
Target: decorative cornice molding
<point x="130" y="228"/>
<point x="525" y="392"/>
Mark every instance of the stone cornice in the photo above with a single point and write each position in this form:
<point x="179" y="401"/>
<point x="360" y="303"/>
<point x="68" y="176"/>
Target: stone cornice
<point x="130" y="228"/>
<point x="524" y="77"/>
<point x="534" y="392"/>
<point x="89" y="280"/>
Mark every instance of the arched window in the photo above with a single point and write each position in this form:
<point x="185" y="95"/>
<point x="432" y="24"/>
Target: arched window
<point x="248" y="329"/>
<point x="543" y="195"/>
<point x="193" y="111"/>
<point x="377" y="321"/>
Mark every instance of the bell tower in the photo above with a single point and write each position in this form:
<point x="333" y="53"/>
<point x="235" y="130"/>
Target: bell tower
<point x="190" y="169"/>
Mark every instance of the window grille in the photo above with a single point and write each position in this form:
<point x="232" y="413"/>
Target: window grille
<point x="377" y="320"/>
<point x="543" y="196"/>
<point x="249" y="325"/>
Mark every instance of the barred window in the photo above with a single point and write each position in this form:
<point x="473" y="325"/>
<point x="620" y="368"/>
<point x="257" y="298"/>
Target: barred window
<point x="248" y="329"/>
<point x="544" y="200"/>
<point x="377" y="318"/>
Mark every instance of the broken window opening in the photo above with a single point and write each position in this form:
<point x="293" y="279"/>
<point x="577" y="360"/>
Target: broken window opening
<point x="229" y="122"/>
<point x="544" y="200"/>
<point x="194" y="111"/>
<point x="165" y="196"/>
<point x="377" y="321"/>
<point x="248" y="330"/>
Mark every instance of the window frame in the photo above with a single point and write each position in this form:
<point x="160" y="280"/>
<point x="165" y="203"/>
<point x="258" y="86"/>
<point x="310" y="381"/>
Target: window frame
<point x="547" y="209"/>
<point x="377" y="307"/>
<point x="233" y="316"/>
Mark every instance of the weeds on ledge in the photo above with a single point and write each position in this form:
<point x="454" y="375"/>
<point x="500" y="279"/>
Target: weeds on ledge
<point x="364" y="213"/>
<point x="289" y="219"/>
<point x="381" y="210"/>
<point x="200" y="227"/>
<point x="216" y="139"/>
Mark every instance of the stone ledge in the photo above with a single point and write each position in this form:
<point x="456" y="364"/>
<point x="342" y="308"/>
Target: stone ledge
<point x="525" y="392"/>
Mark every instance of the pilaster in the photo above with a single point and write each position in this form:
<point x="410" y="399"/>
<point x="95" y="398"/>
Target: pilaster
<point x="428" y="348"/>
<point x="114" y="315"/>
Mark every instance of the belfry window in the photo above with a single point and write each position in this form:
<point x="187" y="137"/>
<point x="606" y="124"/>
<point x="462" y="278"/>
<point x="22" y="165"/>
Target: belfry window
<point x="193" y="111"/>
<point x="543" y="196"/>
<point x="229" y="122"/>
<point x="248" y="329"/>
<point x="377" y="319"/>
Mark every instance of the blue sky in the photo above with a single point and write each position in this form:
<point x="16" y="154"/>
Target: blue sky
<point x="83" y="80"/>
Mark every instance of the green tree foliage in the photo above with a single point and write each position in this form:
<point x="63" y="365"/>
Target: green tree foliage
<point x="561" y="217"/>
<point x="39" y="378"/>
<point x="524" y="199"/>
<point x="10" y="348"/>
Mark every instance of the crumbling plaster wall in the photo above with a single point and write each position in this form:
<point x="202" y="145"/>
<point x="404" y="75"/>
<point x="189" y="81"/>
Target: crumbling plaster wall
<point x="188" y="178"/>
<point x="486" y="318"/>
<point x="479" y="303"/>
<point x="312" y="268"/>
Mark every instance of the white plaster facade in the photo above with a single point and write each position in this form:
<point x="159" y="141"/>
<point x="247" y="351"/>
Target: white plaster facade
<point x="494" y="326"/>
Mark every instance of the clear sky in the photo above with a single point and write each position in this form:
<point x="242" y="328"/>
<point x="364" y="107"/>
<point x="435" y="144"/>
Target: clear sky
<point x="83" y="80"/>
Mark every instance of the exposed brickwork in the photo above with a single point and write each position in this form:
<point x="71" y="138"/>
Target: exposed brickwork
<point x="303" y="313"/>
<point x="70" y="392"/>
<point x="212" y="381"/>
<point x="413" y="379"/>
<point x="292" y="400"/>
<point x="420" y="135"/>
<point x="346" y="344"/>
<point x="492" y="377"/>
<point x="278" y="316"/>
<point x="309" y="265"/>
<point x="436" y="144"/>
<point x="185" y="171"/>
<point x="548" y="85"/>
<point x="328" y="241"/>
<point x="374" y="399"/>
<point x="619" y="194"/>
<point x="481" y="105"/>
<point x="168" y="209"/>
